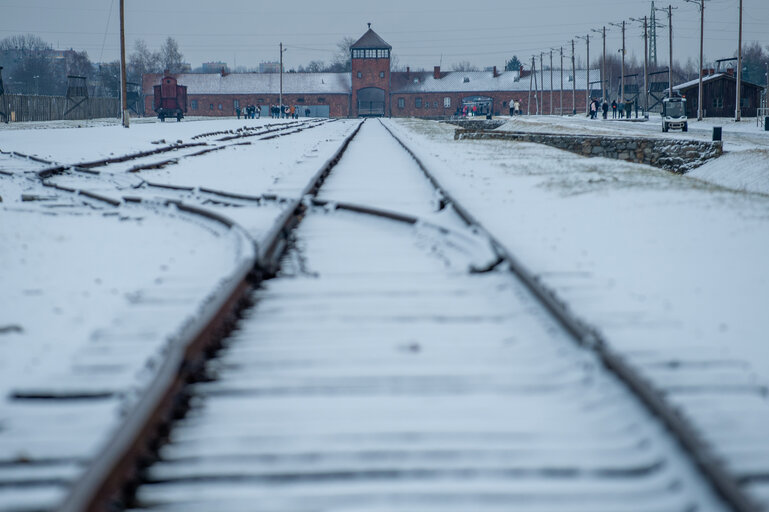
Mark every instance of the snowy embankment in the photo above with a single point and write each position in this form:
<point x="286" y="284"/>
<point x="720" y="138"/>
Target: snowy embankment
<point x="744" y="165"/>
<point x="670" y="269"/>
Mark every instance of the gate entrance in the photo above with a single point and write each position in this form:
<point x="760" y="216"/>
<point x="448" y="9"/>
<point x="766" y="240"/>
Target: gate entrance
<point x="371" y="102"/>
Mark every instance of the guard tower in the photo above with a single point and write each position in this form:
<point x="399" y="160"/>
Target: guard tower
<point x="77" y="95"/>
<point x="370" y="57"/>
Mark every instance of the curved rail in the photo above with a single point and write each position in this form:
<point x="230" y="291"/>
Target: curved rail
<point x="686" y="435"/>
<point x="117" y="464"/>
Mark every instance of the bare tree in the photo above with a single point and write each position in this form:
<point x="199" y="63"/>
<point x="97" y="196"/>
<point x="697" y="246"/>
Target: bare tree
<point x="171" y="57"/>
<point x="143" y="61"/>
<point x="343" y="57"/>
<point x="464" y="66"/>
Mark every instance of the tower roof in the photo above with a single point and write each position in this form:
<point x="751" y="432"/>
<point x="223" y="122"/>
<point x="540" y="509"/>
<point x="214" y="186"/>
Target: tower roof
<point x="371" y="40"/>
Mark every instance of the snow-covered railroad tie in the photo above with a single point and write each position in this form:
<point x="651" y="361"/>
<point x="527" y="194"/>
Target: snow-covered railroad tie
<point x="379" y="372"/>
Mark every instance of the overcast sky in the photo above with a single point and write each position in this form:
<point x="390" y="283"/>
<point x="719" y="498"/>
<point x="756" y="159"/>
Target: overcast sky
<point x="423" y="33"/>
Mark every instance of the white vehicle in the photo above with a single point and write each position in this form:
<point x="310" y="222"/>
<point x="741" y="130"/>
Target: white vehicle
<point x="674" y="114"/>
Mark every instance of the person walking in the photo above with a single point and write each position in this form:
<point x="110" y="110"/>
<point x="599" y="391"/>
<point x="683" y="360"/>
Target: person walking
<point x="593" y="108"/>
<point x="237" y="111"/>
<point x="512" y="107"/>
<point x="605" y="108"/>
<point x="517" y="107"/>
<point x="614" y="109"/>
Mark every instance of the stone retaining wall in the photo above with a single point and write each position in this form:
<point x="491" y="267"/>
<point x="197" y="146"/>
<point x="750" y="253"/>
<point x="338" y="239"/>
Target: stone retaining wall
<point x="677" y="155"/>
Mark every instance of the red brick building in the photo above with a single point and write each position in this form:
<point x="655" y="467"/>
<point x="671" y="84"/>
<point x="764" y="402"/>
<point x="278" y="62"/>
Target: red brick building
<point x="372" y="89"/>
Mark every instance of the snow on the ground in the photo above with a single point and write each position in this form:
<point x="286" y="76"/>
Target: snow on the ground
<point x="92" y="294"/>
<point x="672" y="270"/>
<point x="744" y="166"/>
<point x="660" y="263"/>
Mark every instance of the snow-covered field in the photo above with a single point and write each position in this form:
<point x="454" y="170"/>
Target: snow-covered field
<point x="663" y="265"/>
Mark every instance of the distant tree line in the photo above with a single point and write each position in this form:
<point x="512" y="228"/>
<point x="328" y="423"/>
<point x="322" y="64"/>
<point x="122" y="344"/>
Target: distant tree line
<point x="32" y="66"/>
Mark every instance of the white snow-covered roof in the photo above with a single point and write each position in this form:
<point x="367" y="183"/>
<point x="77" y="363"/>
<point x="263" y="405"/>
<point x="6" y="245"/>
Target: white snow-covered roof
<point x="709" y="78"/>
<point x="471" y="81"/>
<point x="261" y="83"/>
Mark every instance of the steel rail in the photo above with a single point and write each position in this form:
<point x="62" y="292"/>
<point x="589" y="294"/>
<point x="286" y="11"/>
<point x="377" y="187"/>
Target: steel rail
<point x="585" y="335"/>
<point x="107" y="474"/>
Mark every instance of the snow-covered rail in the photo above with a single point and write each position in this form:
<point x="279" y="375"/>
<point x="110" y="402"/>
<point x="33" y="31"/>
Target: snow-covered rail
<point x="381" y="372"/>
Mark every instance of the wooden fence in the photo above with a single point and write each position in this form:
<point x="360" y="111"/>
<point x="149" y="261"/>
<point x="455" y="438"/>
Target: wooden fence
<point x="22" y="107"/>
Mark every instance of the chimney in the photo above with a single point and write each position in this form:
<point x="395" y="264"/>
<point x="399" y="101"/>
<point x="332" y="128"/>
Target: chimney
<point x="495" y="72"/>
<point x="437" y="72"/>
<point x="408" y="72"/>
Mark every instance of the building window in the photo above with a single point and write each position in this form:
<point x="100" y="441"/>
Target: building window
<point x="235" y="103"/>
<point x="220" y="106"/>
<point x="383" y="54"/>
<point x="210" y="106"/>
<point x="360" y="74"/>
<point x="300" y="100"/>
<point x="718" y="102"/>
<point x="321" y="100"/>
<point x="194" y="104"/>
<point x="435" y="104"/>
<point x="446" y="102"/>
<point x="401" y="102"/>
<point x="381" y="74"/>
<point x="418" y="102"/>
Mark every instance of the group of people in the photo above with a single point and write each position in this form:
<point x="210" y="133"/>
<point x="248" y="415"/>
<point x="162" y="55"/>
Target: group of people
<point x="250" y="112"/>
<point x="288" y="112"/>
<point x="621" y="110"/>
<point x="276" y="112"/>
<point x="515" y="107"/>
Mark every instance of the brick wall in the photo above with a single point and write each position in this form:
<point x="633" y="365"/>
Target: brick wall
<point x="677" y="155"/>
<point x="208" y="104"/>
<point x="501" y="101"/>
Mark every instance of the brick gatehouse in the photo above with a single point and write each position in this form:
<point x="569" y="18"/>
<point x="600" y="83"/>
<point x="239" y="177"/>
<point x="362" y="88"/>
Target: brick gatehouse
<point x="372" y="89"/>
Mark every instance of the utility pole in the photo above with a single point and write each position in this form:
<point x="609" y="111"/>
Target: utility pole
<point x="670" y="61"/>
<point x="701" y="4"/>
<point x="646" y="64"/>
<point x="646" y="70"/>
<point x="738" y="112"/>
<point x="542" y="82"/>
<point x="281" y="82"/>
<point x="536" y="87"/>
<point x="560" y="105"/>
<point x="622" y="71"/>
<point x="573" y="82"/>
<point x="603" y="64"/>
<point x="123" y="97"/>
<point x="531" y="77"/>
<point x="551" y="81"/>
<point x="653" y="38"/>
<point x="587" y="89"/>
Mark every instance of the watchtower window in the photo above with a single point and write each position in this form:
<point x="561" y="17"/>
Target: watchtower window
<point x="371" y="53"/>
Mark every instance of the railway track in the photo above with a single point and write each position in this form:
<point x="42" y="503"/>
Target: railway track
<point x="431" y="380"/>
